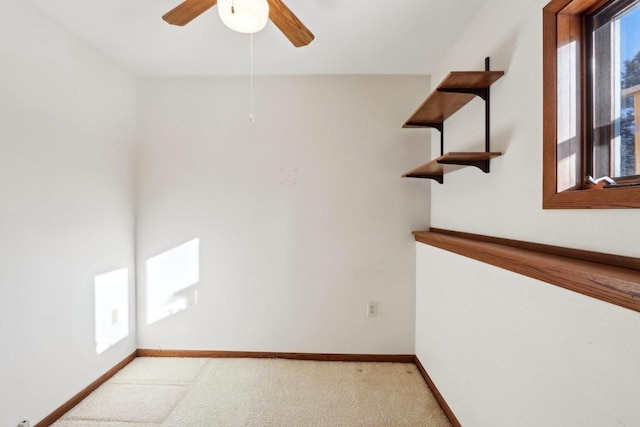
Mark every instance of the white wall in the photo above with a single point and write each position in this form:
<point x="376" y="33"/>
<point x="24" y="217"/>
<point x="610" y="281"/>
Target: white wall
<point x="301" y="218"/>
<point x="504" y="349"/>
<point x="508" y="350"/>
<point x="67" y="125"/>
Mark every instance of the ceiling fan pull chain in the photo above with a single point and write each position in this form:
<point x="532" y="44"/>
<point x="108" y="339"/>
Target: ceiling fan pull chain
<point x="252" y="118"/>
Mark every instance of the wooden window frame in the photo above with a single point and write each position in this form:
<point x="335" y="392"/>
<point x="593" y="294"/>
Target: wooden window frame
<point x="568" y="16"/>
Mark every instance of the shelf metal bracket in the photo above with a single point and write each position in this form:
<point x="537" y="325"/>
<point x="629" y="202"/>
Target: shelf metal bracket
<point x="483" y="165"/>
<point x="438" y="178"/>
<point x="482" y="92"/>
<point x="437" y="126"/>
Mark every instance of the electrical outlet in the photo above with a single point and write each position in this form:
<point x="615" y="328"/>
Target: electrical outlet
<point x="114" y="316"/>
<point x="372" y="309"/>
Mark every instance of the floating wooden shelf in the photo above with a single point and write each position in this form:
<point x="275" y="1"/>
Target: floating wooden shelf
<point x="449" y="162"/>
<point x="457" y="89"/>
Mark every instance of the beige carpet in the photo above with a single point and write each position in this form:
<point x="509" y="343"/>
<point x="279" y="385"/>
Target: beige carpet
<point x="184" y="392"/>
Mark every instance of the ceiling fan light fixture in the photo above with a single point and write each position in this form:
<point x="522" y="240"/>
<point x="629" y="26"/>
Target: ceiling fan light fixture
<point x="244" y="16"/>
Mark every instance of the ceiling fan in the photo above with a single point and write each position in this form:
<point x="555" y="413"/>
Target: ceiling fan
<point x="279" y="14"/>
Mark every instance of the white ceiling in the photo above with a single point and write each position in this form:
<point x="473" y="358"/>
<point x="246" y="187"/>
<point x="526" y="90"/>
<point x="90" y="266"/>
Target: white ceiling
<point x="351" y="36"/>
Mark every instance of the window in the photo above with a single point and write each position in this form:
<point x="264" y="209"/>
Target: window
<point x="613" y="48"/>
<point x="591" y="103"/>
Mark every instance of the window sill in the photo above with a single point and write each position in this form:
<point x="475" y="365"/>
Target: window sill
<point x="620" y="197"/>
<point x="611" y="278"/>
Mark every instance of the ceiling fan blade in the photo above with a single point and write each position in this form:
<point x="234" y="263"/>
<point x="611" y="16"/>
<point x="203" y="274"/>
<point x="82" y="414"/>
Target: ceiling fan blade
<point x="289" y="24"/>
<point x="188" y="11"/>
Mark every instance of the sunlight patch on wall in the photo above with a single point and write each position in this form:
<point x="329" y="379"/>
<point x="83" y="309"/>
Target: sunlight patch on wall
<point x="111" y="299"/>
<point x="567" y="132"/>
<point x="171" y="277"/>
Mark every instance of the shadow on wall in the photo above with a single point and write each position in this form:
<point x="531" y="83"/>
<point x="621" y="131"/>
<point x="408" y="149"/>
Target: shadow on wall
<point x="500" y="140"/>
<point x="171" y="279"/>
<point x="502" y="55"/>
<point x="568" y="141"/>
<point x="111" y="308"/>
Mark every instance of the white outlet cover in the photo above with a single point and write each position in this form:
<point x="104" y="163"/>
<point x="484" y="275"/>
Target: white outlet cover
<point x="372" y="309"/>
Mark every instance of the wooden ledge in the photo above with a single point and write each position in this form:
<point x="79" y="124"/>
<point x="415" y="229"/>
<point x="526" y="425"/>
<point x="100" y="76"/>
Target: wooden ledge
<point x="611" y="278"/>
